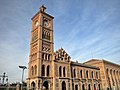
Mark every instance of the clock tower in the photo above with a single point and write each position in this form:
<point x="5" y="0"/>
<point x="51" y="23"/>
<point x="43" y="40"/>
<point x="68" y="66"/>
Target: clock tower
<point x="41" y="51"/>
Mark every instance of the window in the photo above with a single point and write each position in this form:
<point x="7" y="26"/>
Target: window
<point x="45" y="23"/>
<point x="74" y="73"/>
<point x="48" y="70"/>
<point x="35" y="69"/>
<point x="86" y="74"/>
<point x="43" y="70"/>
<point x="80" y="73"/>
<point x="43" y="56"/>
<point x="49" y="57"/>
<point x="107" y="71"/>
<point x="92" y="74"/>
<point x="96" y="74"/>
<point x="107" y="74"/>
<point x="60" y="73"/>
<point x="32" y="71"/>
<point x="64" y="71"/>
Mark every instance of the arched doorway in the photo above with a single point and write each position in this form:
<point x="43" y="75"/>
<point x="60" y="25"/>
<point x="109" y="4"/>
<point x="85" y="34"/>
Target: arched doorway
<point x="76" y="87"/>
<point x="63" y="85"/>
<point x="89" y="87"/>
<point x="45" y="85"/>
<point x="83" y="87"/>
<point x="94" y="87"/>
<point x="33" y="86"/>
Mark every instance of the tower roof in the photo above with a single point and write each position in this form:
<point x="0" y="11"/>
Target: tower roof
<point x="43" y="11"/>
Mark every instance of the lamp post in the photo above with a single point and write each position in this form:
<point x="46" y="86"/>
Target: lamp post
<point x="23" y="68"/>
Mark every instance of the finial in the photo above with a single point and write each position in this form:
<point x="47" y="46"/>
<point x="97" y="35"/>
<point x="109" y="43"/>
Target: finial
<point x="42" y="8"/>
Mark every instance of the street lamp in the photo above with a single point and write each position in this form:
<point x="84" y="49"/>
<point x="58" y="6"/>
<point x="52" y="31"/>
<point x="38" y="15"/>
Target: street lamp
<point x="23" y="68"/>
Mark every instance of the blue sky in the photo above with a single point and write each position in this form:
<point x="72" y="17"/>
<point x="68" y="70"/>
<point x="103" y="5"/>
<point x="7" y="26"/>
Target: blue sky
<point x="84" y="28"/>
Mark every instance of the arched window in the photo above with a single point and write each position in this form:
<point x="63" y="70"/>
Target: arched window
<point x="114" y="78"/>
<point x="43" y="70"/>
<point x="86" y="74"/>
<point x="64" y="71"/>
<point x="108" y="77"/>
<point x="49" y="57"/>
<point x="48" y="35"/>
<point x="43" y="56"/>
<point x="111" y="76"/>
<point x="111" y="71"/>
<point x="48" y="70"/>
<point x="96" y="74"/>
<point x="60" y="73"/>
<point x="114" y="73"/>
<point x="92" y="74"/>
<point x="35" y="69"/>
<point x="74" y="73"/>
<point x="43" y="34"/>
<point x="107" y="74"/>
<point x="117" y="75"/>
<point x="107" y="71"/>
<point x="80" y="73"/>
<point x="32" y="71"/>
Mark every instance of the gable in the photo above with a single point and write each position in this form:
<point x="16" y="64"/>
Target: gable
<point x="61" y="55"/>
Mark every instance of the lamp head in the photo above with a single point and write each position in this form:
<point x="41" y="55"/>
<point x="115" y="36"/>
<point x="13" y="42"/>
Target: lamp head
<point x="23" y="67"/>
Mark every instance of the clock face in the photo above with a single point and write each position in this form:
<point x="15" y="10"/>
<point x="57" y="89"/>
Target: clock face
<point x="45" y="23"/>
<point x="36" y="23"/>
